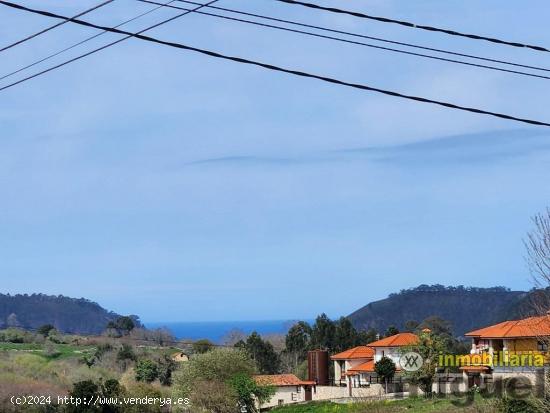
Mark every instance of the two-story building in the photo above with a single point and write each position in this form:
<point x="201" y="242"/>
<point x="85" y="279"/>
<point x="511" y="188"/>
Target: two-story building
<point x="355" y="367"/>
<point x="508" y="349"/>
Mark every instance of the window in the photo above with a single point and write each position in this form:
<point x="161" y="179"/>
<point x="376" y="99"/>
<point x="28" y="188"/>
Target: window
<point x="298" y="389"/>
<point x="542" y="346"/>
<point x="280" y="402"/>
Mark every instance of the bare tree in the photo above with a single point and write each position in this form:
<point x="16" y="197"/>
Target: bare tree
<point x="538" y="259"/>
<point x="538" y="249"/>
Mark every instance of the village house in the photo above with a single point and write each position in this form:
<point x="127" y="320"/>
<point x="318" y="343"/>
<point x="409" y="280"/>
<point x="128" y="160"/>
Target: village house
<point x="288" y="389"/>
<point x="355" y="367"/>
<point x="508" y="349"/>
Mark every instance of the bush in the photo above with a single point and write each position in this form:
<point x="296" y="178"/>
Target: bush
<point x="165" y="368"/>
<point x="509" y="405"/>
<point x="13" y="335"/>
<point x="45" y="329"/>
<point x="147" y="371"/>
<point x="210" y="380"/>
<point x="202" y="346"/>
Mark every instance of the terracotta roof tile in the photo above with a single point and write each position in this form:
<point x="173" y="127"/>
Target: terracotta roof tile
<point x="360" y="352"/>
<point x="280" y="380"/>
<point x="398" y="340"/>
<point x="364" y="367"/>
<point x="527" y="327"/>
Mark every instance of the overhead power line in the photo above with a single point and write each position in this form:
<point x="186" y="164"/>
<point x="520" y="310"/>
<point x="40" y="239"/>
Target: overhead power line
<point x="379" y="39"/>
<point x="340" y="39"/>
<point x="416" y="26"/>
<point x="272" y="67"/>
<point x="105" y="29"/>
<point x="54" y="26"/>
<point x="83" y="41"/>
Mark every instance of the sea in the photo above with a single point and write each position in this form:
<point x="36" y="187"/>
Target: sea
<point x="215" y="331"/>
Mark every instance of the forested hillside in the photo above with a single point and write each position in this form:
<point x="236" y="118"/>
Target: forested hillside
<point x="74" y="315"/>
<point x="467" y="308"/>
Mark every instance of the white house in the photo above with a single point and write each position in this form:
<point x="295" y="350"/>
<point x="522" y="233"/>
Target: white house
<point x="355" y="367"/>
<point x="288" y="389"/>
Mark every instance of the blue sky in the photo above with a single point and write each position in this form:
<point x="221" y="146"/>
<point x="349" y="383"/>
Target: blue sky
<point x="178" y="187"/>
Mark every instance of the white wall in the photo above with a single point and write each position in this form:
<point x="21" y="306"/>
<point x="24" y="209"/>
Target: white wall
<point x="393" y="353"/>
<point x="285" y="393"/>
<point x="334" y="392"/>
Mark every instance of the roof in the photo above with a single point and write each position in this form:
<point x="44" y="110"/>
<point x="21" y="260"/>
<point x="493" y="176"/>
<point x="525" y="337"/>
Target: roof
<point x="527" y="327"/>
<point x="364" y="367"/>
<point x="280" y="380"/>
<point x="360" y="352"/>
<point x="397" y="340"/>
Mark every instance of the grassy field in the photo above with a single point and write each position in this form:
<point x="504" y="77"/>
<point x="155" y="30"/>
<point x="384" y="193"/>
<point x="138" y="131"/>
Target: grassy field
<point x="412" y="405"/>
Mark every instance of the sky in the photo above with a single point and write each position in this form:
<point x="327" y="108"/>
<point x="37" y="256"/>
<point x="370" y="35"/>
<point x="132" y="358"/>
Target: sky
<point x="179" y="187"/>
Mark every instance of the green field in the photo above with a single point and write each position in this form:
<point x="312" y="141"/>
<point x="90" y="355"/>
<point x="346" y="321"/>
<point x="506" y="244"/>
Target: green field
<point x="412" y="405"/>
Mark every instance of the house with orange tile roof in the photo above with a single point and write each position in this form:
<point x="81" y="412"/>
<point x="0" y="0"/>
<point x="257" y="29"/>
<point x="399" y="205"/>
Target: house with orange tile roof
<point x="355" y="367"/>
<point x="288" y="389"/>
<point x="508" y="348"/>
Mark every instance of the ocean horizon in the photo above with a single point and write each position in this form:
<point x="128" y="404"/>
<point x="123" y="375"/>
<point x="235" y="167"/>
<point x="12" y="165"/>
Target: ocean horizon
<point x="215" y="331"/>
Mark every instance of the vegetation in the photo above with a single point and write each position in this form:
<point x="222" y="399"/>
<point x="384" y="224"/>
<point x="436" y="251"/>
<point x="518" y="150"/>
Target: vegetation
<point x="219" y="380"/>
<point x="202" y="346"/>
<point x="430" y="345"/>
<point x="55" y="364"/>
<point x="147" y="371"/>
<point x="413" y="405"/>
<point x="262" y="353"/>
<point x="485" y="306"/>
<point x="385" y="369"/>
<point x="76" y="315"/>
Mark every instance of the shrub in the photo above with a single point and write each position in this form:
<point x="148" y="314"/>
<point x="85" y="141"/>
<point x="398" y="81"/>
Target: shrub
<point x="165" y="368"/>
<point x="147" y="371"/>
<point x="45" y="329"/>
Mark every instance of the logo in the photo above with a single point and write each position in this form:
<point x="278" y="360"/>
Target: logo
<point x="411" y="361"/>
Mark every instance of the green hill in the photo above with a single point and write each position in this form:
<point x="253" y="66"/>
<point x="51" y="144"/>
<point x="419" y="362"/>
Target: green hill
<point x="467" y="308"/>
<point x="70" y="315"/>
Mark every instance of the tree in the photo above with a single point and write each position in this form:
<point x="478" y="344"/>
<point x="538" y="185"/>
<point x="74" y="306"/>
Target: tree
<point x="538" y="252"/>
<point x="166" y="367"/>
<point x="366" y="337"/>
<point x="411" y="325"/>
<point x="437" y="325"/>
<point x="322" y="335"/>
<point x="88" y="391"/>
<point x="298" y="342"/>
<point x="84" y="390"/>
<point x="345" y="335"/>
<point x="263" y="353"/>
<point x="391" y="331"/>
<point x="123" y="325"/>
<point x="12" y="321"/>
<point x="45" y="329"/>
<point x="443" y="330"/>
<point x="538" y="260"/>
<point x="125" y="355"/>
<point x="429" y="346"/>
<point x="385" y="369"/>
<point x="233" y="337"/>
<point x="147" y="371"/>
<point x="202" y="346"/>
<point x="205" y="379"/>
<point x="248" y="391"/>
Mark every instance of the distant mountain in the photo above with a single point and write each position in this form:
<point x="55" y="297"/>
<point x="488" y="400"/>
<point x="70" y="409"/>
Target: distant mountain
<point x="72" y="315"/>
<point x="467" y="308"/>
